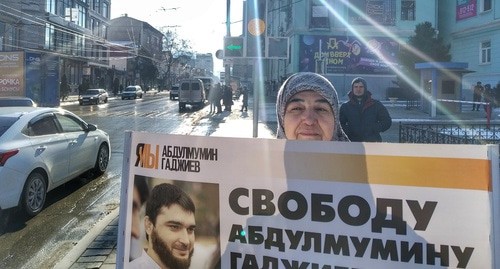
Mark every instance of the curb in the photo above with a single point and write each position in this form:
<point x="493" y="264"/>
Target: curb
<point x="82" y="245"/>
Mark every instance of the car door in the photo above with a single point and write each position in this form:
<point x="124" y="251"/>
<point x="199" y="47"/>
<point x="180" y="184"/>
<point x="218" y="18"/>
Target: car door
<point x="50" y="146"/>
<point x="82" y="145"/>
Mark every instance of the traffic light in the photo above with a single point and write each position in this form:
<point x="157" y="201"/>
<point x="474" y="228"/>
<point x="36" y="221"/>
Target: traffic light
<point x="256" y="28"/>
<point x="233" y="47"/>
<point x="277" y="47"/>
<point x="256" y="47"/>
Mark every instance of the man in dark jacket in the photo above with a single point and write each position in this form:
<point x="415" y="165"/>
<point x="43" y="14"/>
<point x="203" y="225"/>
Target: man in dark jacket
<point x="363" y="118"/>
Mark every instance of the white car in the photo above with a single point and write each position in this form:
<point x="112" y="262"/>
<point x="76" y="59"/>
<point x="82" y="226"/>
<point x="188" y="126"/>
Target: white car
<point x="42" y="148"/>
<point x="16" y="101"/>
<point x="93" y="96"/>
<point x="132" y="92"/>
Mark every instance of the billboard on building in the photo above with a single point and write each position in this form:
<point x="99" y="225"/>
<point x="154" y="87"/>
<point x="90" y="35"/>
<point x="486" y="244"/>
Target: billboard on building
<point x="12" y="73"/>
<point x="347" y="54"/>
<point x="34" y="76"/>
<point x="52" y="80"/>
<point x="466" y="9"/>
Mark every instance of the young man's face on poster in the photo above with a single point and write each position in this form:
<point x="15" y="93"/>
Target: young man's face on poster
<point x="172" y="237"/>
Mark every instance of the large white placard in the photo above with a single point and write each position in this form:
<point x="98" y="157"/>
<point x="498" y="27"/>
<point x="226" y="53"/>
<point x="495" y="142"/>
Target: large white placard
<point x="266" y="203"/>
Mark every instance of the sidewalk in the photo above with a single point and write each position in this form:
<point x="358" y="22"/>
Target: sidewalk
<point x="98" y="248"/>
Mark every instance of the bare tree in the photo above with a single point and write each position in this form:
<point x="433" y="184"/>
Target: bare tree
<point x="175" y="51"/>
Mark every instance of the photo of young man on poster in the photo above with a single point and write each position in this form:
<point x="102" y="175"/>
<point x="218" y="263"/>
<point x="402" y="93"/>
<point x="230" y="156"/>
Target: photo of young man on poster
<point x="170" y="225"/>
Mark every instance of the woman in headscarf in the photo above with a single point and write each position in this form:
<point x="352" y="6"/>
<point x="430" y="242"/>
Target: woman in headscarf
<point x="307" y="108"/>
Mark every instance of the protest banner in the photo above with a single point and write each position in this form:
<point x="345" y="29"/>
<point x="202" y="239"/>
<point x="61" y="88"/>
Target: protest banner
<point x="268" y="203"/>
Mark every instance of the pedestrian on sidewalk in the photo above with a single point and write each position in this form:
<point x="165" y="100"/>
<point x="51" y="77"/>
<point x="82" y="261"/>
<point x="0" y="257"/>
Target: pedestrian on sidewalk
<point x="477" y="95"/>
<point x="362" y="117"/>
<point x="217" y="97"/>
<point x="244" y="93"/>
<point x="307" y="109"/>
<point x="212" y="99"/>
<point x="227" y="98"/>
<point x="488" y="95"/>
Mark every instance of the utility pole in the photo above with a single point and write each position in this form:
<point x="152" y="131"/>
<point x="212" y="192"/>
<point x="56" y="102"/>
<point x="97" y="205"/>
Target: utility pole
<point x="227" y="66"/>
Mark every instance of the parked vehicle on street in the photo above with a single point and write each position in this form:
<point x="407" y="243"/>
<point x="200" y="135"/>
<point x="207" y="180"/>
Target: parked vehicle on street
<point x="43" y="148"/>
<point x="208" y="82"/>
<point x="93" y="96"/>
<point x="132" y="92"/>
<point x="16" y="101"/>
<point x="174" y="92"/>
<point x="191" y="92"/>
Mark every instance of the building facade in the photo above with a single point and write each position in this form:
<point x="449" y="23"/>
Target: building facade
<point x="345" y="39"/>
<point x="137" y="44"/>
<point x="473" y="30"/>
<point x="67" y="38"/>
<point x="204" y="64"/>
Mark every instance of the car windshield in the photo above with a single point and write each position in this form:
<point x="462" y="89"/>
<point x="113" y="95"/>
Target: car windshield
<point x="15" y="102"/>
<point x="92" y="92"/>
<point x="5" y="123"/>
<point x="130" y="89"/>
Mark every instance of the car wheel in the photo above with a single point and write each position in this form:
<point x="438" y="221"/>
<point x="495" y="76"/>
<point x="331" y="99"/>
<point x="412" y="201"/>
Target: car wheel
<point x="123" y="98"/>
<point x="106" y="100"/>
<point x="4" y="221"/>
<point x="34" y="193"/>
<point x="101" y="164"/>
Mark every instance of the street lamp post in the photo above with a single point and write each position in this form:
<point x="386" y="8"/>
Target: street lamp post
<point x="227" y="67"/>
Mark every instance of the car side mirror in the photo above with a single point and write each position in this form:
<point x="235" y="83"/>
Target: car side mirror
<point x="91" y="127"/>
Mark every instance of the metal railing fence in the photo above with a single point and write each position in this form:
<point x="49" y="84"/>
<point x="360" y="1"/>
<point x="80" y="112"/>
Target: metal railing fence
<point x="448" y="133"/>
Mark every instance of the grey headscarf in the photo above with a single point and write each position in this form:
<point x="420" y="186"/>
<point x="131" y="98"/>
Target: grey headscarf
<point x="308" y="81"/>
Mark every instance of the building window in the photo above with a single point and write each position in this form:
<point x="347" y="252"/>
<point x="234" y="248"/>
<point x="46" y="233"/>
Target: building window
<point x="105" y="10"/>
<point x="61" y="7"/>
<point x="104" y="33"/>
<point x="49" y="37"/>
<point x="318" y="16"/>
<point x="96" y="5"/>
<point x="79" y="43"/>
<point x="485" y="5"/>
<point x="408" y="10"/>
<point x="82" y="16"/>
<point x="365" y="11"/>
<point x="50" y="6"/>
<point x="485" y="52"/>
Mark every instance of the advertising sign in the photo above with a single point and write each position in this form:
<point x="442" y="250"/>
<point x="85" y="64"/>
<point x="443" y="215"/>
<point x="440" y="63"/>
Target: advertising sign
<point x="268" y="203"/>
<point x="52" y="80"/>
<point x="12" y="73"/>
<point x="34" y="76"/>
<point x="466" y="9"/>
<point x="347" y="54"/>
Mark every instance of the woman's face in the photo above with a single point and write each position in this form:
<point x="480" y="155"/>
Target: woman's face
<point x="308" y="116"/>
